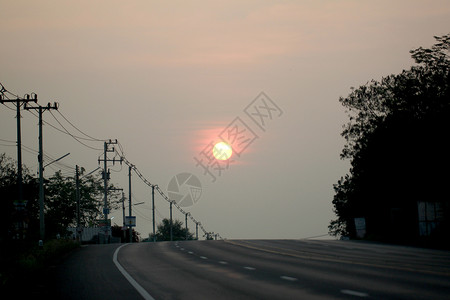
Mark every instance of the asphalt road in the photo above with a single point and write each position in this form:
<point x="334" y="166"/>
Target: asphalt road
<point x="254" y="269"/>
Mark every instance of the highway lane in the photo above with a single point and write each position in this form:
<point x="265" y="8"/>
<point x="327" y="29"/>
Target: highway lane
<point x="287" y="269"/>
<point x="255" y="269"/>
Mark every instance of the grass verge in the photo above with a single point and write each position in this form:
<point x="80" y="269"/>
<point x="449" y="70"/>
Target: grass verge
<point x="24" y="267"/>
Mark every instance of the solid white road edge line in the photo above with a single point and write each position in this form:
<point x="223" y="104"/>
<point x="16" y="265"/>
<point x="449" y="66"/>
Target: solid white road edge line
<point x="130" y="279"/>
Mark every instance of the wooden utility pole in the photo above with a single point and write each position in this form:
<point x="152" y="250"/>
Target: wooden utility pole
<point x="77" y="193"/>
<point x="18" y="102"/>
<point x="41" y="109"/>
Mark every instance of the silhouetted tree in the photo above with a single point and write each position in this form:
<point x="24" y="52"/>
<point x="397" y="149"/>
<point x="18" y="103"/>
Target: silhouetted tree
<point x="22" y="220"/>
<point x="60" y="202"/>
<point x="178" y="231"/>
<point x="17" y="220"/>
<point x="396" y="141"/>
<point x="124" y="235"/>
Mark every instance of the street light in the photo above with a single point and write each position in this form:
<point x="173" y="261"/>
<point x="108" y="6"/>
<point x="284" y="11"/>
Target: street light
<point x="139" y="203"/>
<point x="53" y="161"/>
<point x="90" y="172"/>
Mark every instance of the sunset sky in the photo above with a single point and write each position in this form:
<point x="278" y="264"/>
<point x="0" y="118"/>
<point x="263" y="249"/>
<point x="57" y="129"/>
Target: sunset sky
<point x="166" y="78"/>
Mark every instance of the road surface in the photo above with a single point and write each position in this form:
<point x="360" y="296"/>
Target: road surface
<point x="254" y="269"/>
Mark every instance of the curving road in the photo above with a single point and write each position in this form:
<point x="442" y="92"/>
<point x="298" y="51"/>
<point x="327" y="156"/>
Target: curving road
<point x="255" y="269"/>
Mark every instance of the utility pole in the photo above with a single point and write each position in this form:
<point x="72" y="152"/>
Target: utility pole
<point x="123" y="214"/>
<point x="153" y="212"/>
<point x="41" y="109"/>
<point x="171" y="231"/>
<point x="186" y="215"/>
<point x="18" y="102"/>
<point x="77" y="185"/>
<point x="196" y="231"/>
<point x="106" y="177"/>
<point x="130" y="230"/>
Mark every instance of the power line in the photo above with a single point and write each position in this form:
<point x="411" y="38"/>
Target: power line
<point x="135" y="169"/>
<point x="48" y="157"/>
<point x="73" y="136"/>
<point x="90" y="137"/>
<point x="142" y="215"/>
<point x="66" y="132"/>
<point x="8" y="107"/>
<point x="7" y="141"/>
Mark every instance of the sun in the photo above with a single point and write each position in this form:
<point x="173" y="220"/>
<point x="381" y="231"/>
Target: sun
<point x="222" y="151"/>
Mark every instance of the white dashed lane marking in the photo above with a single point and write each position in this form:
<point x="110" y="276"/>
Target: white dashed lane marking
<point x="355" y="293"/>
<point x="288" y="278"/>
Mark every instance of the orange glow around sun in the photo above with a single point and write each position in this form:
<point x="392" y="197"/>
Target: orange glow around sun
<point x="222" y="151"/>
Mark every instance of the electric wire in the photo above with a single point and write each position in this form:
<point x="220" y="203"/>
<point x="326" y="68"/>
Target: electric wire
<point x="65" y="131"/>
<point x="158" y="189"/>
<point x="60" y="130"/>
<point x="4" y="104"/>
<point x="47" y="157"/>
<point x="3" y="92"/>
<point x="90" y="137"/>
<point x="8" y="141"/>
<point x="142" y="215"/>
<point x="73" y="136"/>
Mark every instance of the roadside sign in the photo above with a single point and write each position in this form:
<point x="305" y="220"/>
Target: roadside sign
<point x="130" y="221"/>
<point x="360" y="224"/>
<point x="104" y="223"/>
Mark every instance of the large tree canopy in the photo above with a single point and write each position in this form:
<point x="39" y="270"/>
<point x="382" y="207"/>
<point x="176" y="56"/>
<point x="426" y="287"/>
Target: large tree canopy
<point x="21" y="220"/>
<point x="61" y="202"/>
<point x="396" y="140"/>
<point x="13" y="214"/>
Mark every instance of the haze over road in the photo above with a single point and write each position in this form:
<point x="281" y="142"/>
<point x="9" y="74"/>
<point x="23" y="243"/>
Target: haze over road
<point x="256" y="269"/>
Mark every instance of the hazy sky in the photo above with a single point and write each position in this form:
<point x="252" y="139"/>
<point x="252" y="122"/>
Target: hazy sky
<point x="165" y="78"/>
